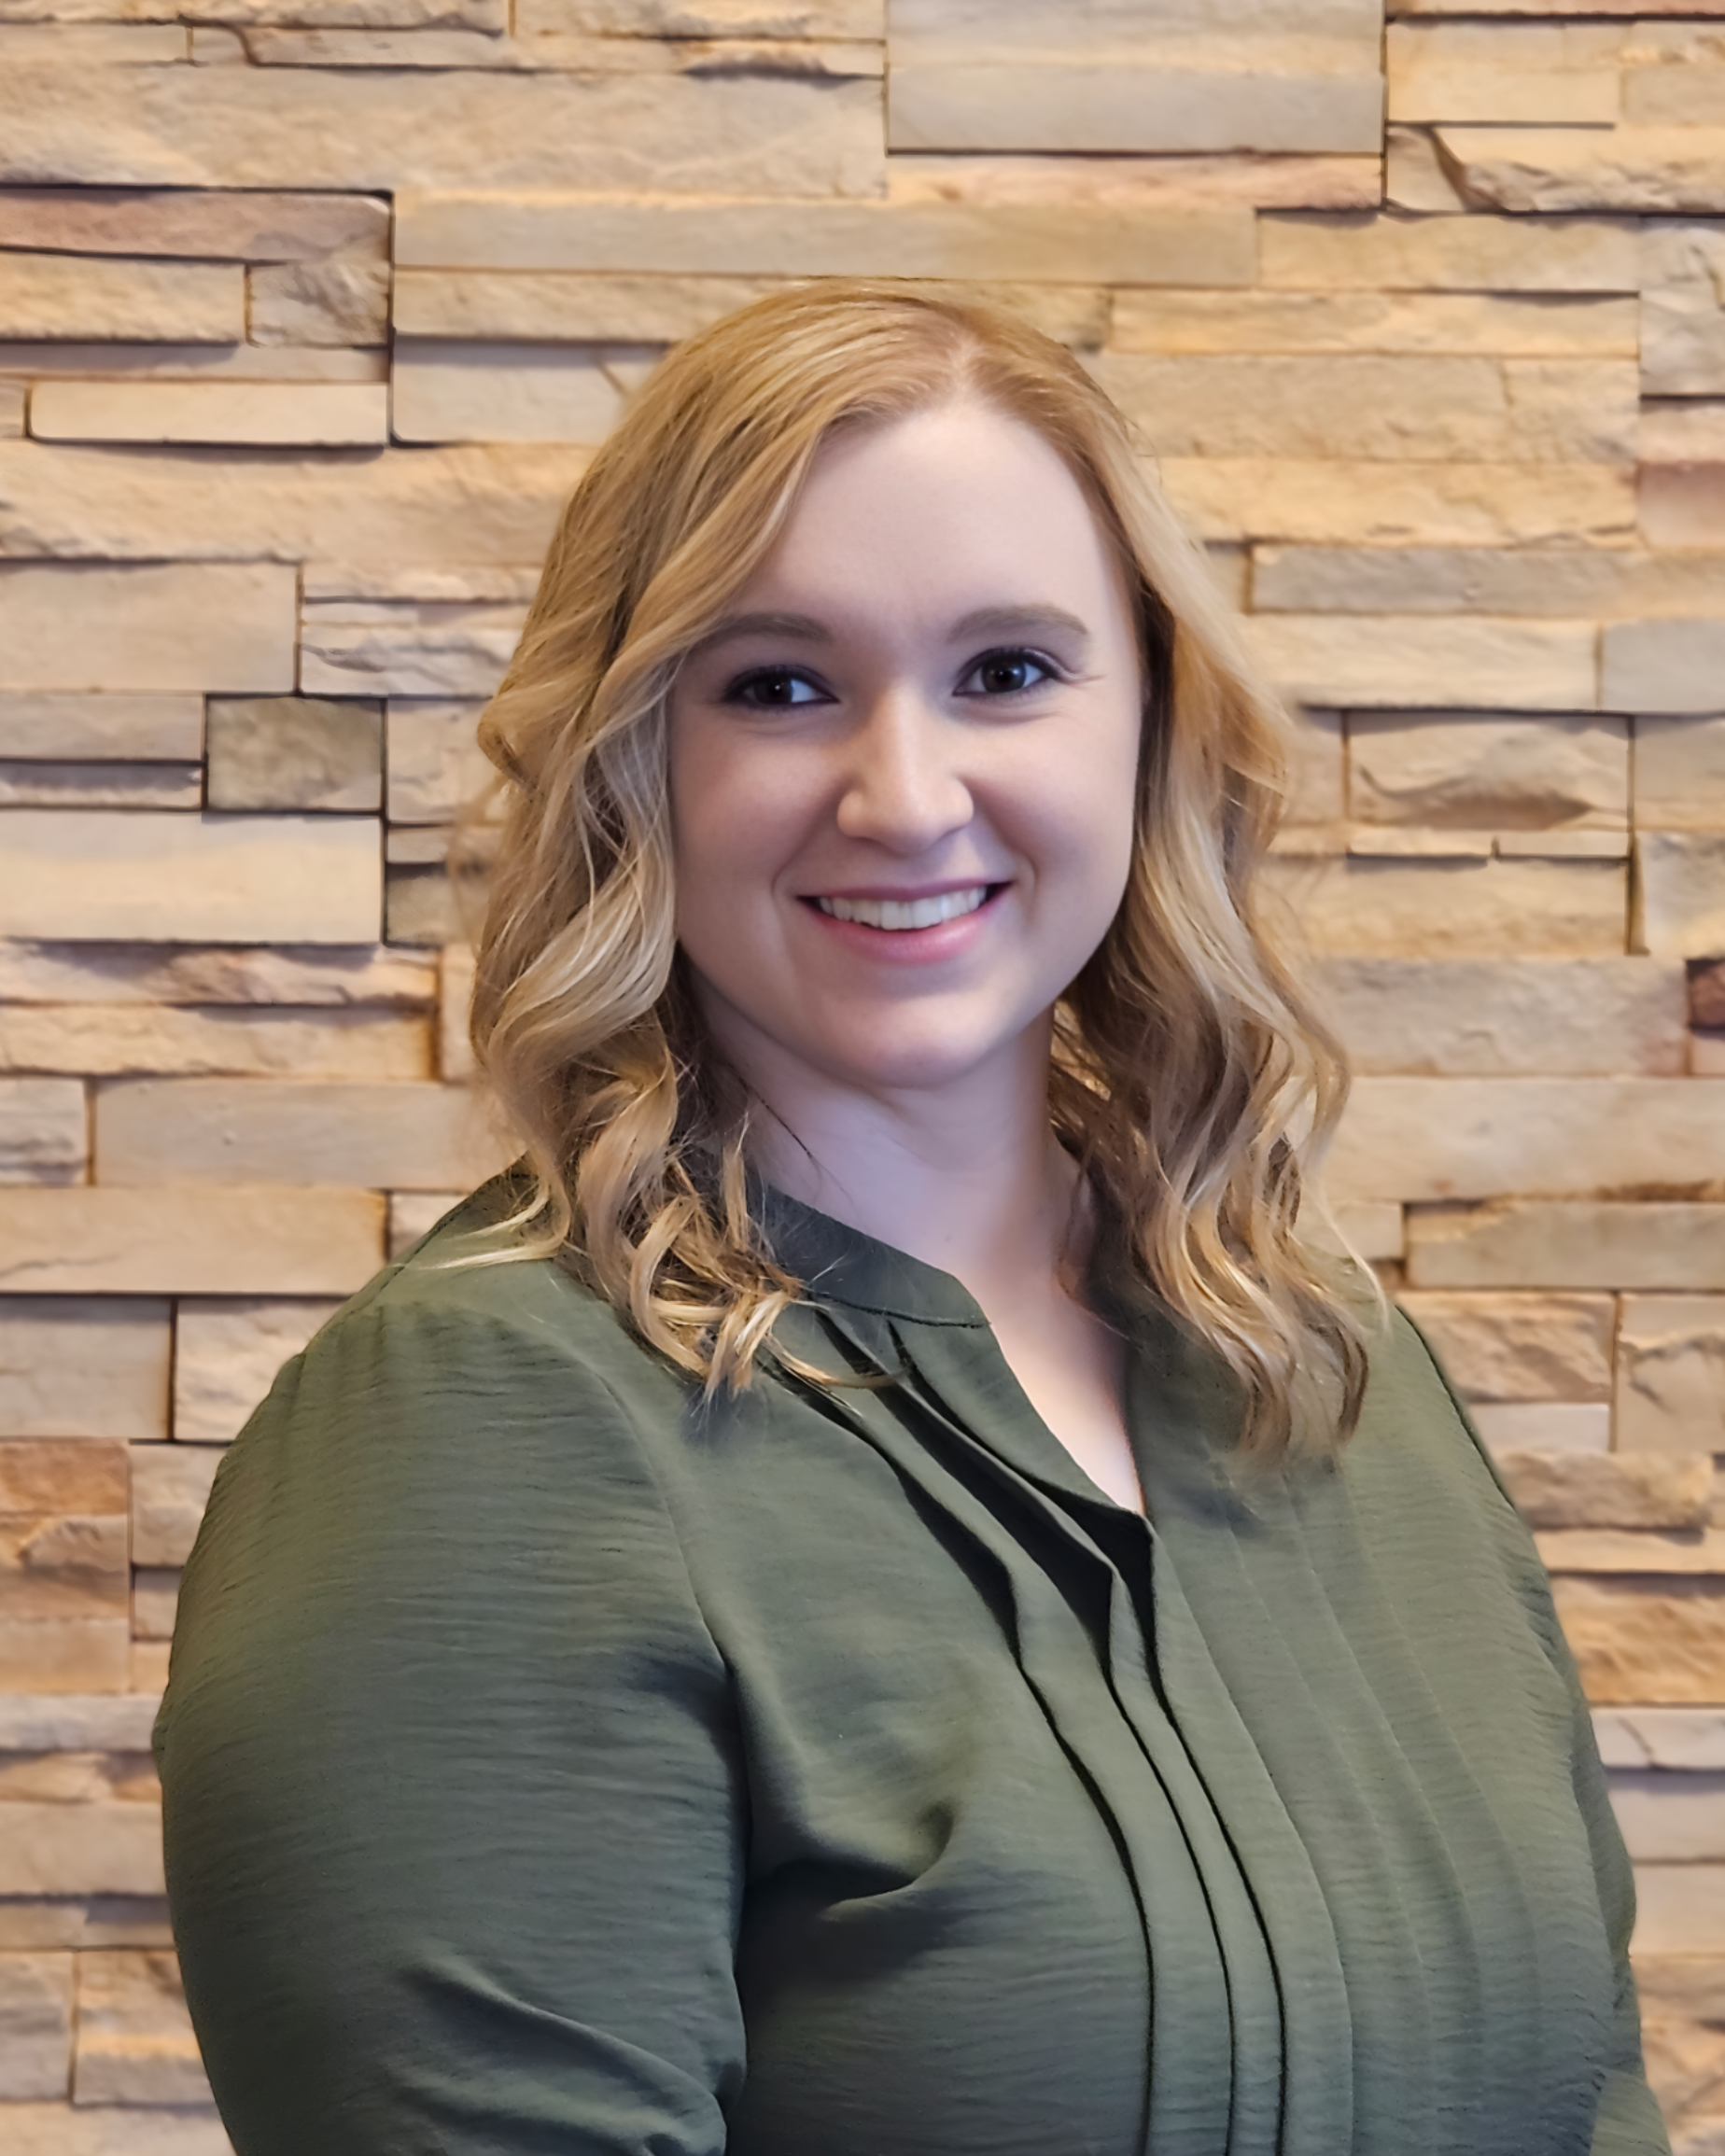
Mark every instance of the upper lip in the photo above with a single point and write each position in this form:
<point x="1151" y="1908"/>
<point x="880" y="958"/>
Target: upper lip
<point x="909" y="891"/>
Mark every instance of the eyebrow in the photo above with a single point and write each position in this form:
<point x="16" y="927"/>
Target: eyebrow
<point x="983" y="622"/>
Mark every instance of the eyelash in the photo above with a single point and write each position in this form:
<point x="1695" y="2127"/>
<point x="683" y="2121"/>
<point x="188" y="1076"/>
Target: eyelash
<point x="738" y="691"/>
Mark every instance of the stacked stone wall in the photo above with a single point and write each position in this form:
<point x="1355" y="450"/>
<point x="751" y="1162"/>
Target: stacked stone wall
<point x="309" y="313"/>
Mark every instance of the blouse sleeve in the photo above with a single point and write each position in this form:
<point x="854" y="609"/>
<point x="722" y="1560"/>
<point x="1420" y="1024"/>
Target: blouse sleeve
<point x="451" y="1793"/>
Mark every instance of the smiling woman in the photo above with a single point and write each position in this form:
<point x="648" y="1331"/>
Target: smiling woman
<point x="874" y="1597"/>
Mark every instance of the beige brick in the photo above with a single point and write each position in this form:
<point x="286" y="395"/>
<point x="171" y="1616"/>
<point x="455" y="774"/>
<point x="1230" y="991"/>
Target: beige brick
<point x="1691" y="1986"/>
<point x="197" y="1243"/>
<point x="147" y="1665"/>
<point x="36" y="2025"/>
<point x="155" y="1603"/>
<point x="1554" y="326"/>
<point x="1664" y="666"/>
<point x="42" y="1130"/>
<point x="1598" y="1490"/>
<point x="62" y="1568"/>
<point x="177" y="878"/>
<point x="332" y="978"/>
<point x="1468" y="254"/>
<point x="244" y="227"/>
<point x="226" y="1356"/>
<point x="560" y="308"/>
<point x="1682" y="430"/>
<point x="414" y="1214"/>
<point x="158" y="362"/>
<point x="1511" y="1428"/>
<point x="359" y="129"/>
<point x="91" y="44"/>
<point x="1146" y="109"/>
<point x="113" y="1040"/>
<point x="1061" y="241"/>
<point x="1682" y="309"/>
<point x="1413" y="174"/>
<point x="1691" y="95"/>
<point x="495" y="502"/>
<point x="54" y="1656"/>
<point x="1686" y="2071"/>
<point x="423" y="582"/>
<point x="1341" y="501"/>
<point x="135" y="2038"/>
<point x="1455" y="908"/>
<point x="1433" y="1017"/>
<point x="1372" y="1232"/>
<point x="1683" y="1740"/>
<point x="706" y="17"/>
<point x="41" y="1476"/>
<point x="1519" y="1347"/>
<point x="29" y="1723"/>
<point x="1393" y="661"/>
<point x="1679" y="1909"/>
<point x="295" y="753"/>
<point x="435" y="762"/>
<point x="452" y="392"/>
<point x="63" y="296"/>
<point x="1558" y="73"/>
<point x="1632" y="1549"/>
<point x="30" y="785"/>
<point x="170" y="1488"/>
<point x="1557" y="169"/>
<point x="1600" y="1245"/>
<point x="457" y="969"/>
<point x="1133" y="184"/>
<point x="424" y="649"/>
<point x="1571" y="581"/>
<point x="322" y="414"/>
<point x="1671" y="1375"/>
<point x="341" y="304"/>
<point x="200" y="1130"/>
<point x="1389" y="407"/>
<point x="1644" y="1638"/>
<point x="120" y="728"/>
<point x="1452" y="771"/>
<point x="1682" y="505"/>
<point x="83" y="1366"/>
<point x="1444" y="1139"/>
<point x="95" y="1848"/>
<point x="1680" y="894"/>
<point x="180" y="625"/>
<point x="490" y="15"/>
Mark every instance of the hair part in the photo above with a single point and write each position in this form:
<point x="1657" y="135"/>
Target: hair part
<point x="1185" y="1054"/>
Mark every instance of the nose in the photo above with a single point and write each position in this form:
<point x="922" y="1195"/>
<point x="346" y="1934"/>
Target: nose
<point x="902" y="789"/>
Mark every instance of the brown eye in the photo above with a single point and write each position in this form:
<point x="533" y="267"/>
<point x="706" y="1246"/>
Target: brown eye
<point x="772" y="689"/>
<point x="1005" y="674"/>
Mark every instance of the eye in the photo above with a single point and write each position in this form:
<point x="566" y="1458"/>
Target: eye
<point x="1009" y="673"/>
<point x="773" y="689"/>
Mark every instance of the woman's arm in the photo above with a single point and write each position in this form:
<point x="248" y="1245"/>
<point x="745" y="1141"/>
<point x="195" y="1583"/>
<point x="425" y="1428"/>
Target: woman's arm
<point x="452" y="1803"/>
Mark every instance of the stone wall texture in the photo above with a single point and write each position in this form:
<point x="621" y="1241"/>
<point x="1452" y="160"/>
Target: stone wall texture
<point x="311" y="312"/>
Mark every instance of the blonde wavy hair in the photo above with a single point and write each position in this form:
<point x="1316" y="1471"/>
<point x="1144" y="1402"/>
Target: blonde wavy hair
<point x="1186" y="1055"/>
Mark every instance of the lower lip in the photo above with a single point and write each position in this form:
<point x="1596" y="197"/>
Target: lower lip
<point x="912" y="946"/>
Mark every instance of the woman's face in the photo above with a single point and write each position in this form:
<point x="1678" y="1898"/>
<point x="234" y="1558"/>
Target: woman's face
<point x="903" y="768"/>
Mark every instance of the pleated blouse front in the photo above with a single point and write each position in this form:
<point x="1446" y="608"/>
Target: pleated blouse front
<point x="552" y="1763"/>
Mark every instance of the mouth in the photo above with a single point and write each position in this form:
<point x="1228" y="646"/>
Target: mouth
<point x="896" y="915"/>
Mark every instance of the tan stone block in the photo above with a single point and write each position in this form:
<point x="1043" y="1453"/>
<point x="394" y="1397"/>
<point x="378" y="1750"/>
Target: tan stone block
<point x="1707" y="994"/>
<point x="149" y="1665"/>
<point x="1444" y="1139"/>
<point x="156" y="362"/>
<point x="1684" y="1739"/>
<point x="1519" y="1347"/>
<point x="36" y="2025"/>
<point x="12" y="411"/>
<point x="1682" y="309"/>
<point x="83" y="1366"/>
<point x="1600" y="1245"/>
<point x="116" y="1041"/>
<point x="1555" y="325"/>
<point x="1632" y="1549"/>
<point x="1682" y="505"/>
<point x="434" y="762"/>
<point x="62" y="1923"/>
<point x="989" y="244"/>
<point x="1340" y="501"/>
<point x="42" y="1135"/>
<point x="135" y="2038"/>
<point x="1411" y="660"/>
<point x="1557" y="74"/>
<point x="377" y="129"/>
<point x="102" y="1723"/>
<point x="1680" y="1908"/>
<point x="94" y="1848"/>
<point x="62" y="1568"/>
<point x="1691" y="95"/>
<point x="422" y="906"/>
<point x="226" y="1356"/>
<point x="342" y="302"/>
<point x="1557" y="169"/>
<point x="418" y="845"/>
<point x="1433" y="1017"/>
<point x="323" y="414"/>
<point x="1526" y="1427"/>
<point x="811" y="19"/>
<point x="73" y="1475"/>
<point x="1134" y="184"/>
<point x="101" y="785"/>
<point x="491" y="15"/>
<point x="1686" y="2070"/>
<point x="242" y="227"/>
<point x="424" y="582"/>
<point x="63" y="296"/>
<point x="1681" y="772"/>
<point x="180" y="625"/>
<point x="295" y="753"/>
<point x="92" y="43"/>
<point x="1448" y="770"/>
<point x="495" y="502"/>
<point x="170" y="1488"/>
<point x="407" y="651"/>
<point x="119" y="728"/>
<point x="452" y="392"/>
<point x="200" y="1130"/>
<point x="187" y="878"/>
<point x="1455" y="908"/>
<point x="80" y="1654"/>
<point x="414" y="1214"/>
<point x="1600" y="1490"/>
<point x="1671" y="1375"/>
<point x="1413" y="173"/>
<point x="1691" y="1986"/>
<point x="1680" y="894"/>
<point x="197" y="1243"/>
<point x="1573" y="583"/>
<point x="1648" y="1638"/>
<point x="1372" y="1232"/>
<point x="1682" y="430"/>
<point x="1468" y="254"/>
<point x="455" y="1063"/>
<point x="332" y="978"/>
<point x="1664" y="666"/>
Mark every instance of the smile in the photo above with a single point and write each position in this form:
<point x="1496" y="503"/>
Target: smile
<point x="897" y="914"/>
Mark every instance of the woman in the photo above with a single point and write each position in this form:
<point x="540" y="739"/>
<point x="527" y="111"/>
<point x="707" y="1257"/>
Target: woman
<point x="875" y="1598"/>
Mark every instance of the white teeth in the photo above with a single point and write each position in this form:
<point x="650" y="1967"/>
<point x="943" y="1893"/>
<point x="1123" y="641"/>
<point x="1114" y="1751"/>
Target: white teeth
<point x="922" y="913"/>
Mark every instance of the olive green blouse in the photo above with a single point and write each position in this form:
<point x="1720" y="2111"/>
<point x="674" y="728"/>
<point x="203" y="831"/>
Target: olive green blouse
<point x="555" y="1764"/>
